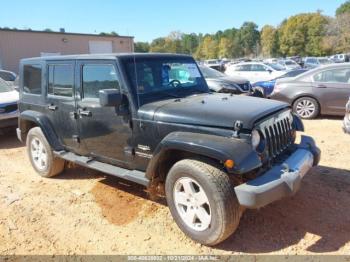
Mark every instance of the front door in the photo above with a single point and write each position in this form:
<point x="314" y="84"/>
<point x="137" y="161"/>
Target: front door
<point x="60" y="106"/>
<point x="104" y="134"/>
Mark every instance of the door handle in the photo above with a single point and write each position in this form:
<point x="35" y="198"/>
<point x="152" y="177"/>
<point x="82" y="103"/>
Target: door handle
<point x="321" y="86"/>
<point x="52" y="107"/>
<point x="85" y="113"/>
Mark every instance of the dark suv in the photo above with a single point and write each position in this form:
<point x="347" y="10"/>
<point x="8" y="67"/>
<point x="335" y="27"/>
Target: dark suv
<point x="136" y="117"/>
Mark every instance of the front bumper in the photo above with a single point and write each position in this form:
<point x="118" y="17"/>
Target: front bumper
<point x="281" y="180"/>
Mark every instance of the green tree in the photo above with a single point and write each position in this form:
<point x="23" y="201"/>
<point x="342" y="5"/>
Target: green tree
<point x="269" y="41"/>
<point x="344" y="8"/>
<point x="249" y="38"/>
<point x="190" y="43"/>
<point x="225" y="48"/>
<point x="302" y="34"/>
<point x="142" y="47"/>
<point x="209" y="48"/>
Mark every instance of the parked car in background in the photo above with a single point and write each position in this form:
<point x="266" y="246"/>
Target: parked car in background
<point x="289" y="64"/>
<point x="346" y="123"/>
<point x="256" y="71"/>
<point x="8" y="105"/>
<point x="8" y="76"/>
<point x="214" y="64"/>
<point x="221" y="83"/>
<point x="324" y="90"/>
<point x="297" y="59"/>
<point x="266" y="87"/>
<point x="340" y="58"/>
<point x="313" y="62"/>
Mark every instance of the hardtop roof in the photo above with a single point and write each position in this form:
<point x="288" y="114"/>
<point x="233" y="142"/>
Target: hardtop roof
<point x="104" y="56"/>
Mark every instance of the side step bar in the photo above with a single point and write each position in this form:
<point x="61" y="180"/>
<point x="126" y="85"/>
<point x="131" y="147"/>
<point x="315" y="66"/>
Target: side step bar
<point x="131" y="175"/>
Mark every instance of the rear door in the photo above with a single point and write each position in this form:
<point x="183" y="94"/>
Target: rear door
<point x="60" y="101"/>
<point x="333" y="89"/>
<point x="104" y="133"/>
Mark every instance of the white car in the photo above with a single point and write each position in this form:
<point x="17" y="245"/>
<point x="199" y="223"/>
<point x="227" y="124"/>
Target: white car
<point x="8" y="105"/>
<point x="256" y="71"/>
<point x="289" y="64"/>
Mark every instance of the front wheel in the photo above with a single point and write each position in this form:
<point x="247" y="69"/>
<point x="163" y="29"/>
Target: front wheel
<point x="306" y="108"/>
<point x="202" y="201"/>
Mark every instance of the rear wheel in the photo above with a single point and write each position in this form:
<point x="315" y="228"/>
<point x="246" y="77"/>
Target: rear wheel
<point x="41" y="155"/>
<point x="306" y="108"/>
<point x="202" y="201"/>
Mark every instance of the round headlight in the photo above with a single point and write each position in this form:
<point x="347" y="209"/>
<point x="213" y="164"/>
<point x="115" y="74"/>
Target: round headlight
<point x="255" y="139"/>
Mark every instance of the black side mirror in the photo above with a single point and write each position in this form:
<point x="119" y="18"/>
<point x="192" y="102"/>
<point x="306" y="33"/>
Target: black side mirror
<point x="110" y="98"/>
<point x="269" y="70"/>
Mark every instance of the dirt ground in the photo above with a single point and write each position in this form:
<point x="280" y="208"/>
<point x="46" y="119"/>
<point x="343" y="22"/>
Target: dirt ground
<point x="86" y="212"/>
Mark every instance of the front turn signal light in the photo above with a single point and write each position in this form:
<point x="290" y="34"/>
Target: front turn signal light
<point x="229" y="164"/>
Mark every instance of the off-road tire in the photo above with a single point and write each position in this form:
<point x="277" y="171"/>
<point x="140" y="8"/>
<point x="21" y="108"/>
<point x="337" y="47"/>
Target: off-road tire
<point x="310" y="100"/>
<point x="225" y="209"/>
<point x="54" y="165"/>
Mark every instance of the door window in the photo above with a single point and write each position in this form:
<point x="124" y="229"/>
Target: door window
<point x="243" y="68"/>
<point x="61" y="80"/>
<point x="333" y="76"/>
<point x="32" y="79"/>
<point x="258" y="68"/>
<point x="98" y="77"/>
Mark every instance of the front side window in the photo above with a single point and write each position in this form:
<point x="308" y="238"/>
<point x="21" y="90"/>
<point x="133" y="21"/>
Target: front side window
<point x="333" y="76"/>
<point x="32" y="79"/>
<point x="61" y="80"/>
<point x="98" y="77"/>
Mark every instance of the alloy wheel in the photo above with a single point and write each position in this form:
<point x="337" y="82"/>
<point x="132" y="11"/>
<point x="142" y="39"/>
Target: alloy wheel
<point x="305" y="108"/>
<point x="38" y="154"/>
<point x="192" y="204"/>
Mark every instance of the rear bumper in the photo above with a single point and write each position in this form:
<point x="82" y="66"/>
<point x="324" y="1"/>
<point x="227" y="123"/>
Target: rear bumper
<point x="281" y="180"/>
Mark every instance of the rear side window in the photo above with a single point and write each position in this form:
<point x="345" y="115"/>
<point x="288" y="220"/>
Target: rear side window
<point x="61" y="80"/>
<point x="32" y="79"/>
<point x="333" y="76"/>
<point x="98" y="77"/>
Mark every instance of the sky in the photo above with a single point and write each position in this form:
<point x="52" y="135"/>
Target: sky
<point x="149" y="19"/>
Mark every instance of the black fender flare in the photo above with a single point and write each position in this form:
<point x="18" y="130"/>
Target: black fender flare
<point x="42" y="121"/>
<point x="212" y="146"/>
<point x="297" y="123"/>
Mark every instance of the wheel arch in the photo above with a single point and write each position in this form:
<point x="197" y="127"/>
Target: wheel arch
<point x="29" y="119"/>
<point x="307" y="96"/>
<point x="181" y="145"/>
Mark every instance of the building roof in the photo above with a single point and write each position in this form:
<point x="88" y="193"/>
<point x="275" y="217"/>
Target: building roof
<point x="61" y="33"/>
<point x="105" y="56"/>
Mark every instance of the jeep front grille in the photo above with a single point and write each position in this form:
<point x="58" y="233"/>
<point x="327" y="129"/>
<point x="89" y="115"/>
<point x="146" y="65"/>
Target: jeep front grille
<point x="278" y="136"/>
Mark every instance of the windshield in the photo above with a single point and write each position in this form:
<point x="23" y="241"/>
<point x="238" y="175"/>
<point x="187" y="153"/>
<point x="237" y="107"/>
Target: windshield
<point x="4" y="87"/>
<point x="211" y="73"/>
<point x="158" y="78"/>
<point x="276" y="66"/>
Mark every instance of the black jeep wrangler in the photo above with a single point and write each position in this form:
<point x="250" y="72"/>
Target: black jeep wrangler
<point x="140" y="118"/>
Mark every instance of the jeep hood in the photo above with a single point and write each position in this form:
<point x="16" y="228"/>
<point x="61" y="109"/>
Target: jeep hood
<point x="214" y="110"/>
